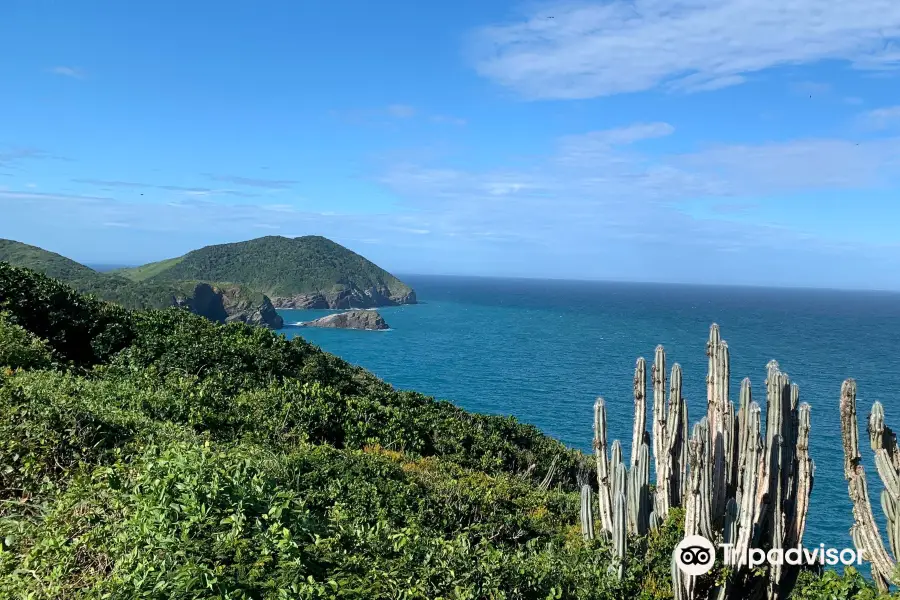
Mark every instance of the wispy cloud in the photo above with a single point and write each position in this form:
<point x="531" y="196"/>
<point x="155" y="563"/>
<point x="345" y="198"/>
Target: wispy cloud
<point x="393" y="113"/>
<point x="12" y="156"/>
<point x="590" y="50"/>
<point x="188" y="190"/>
<point x="13" y="195"/>
<point x="882" y="118"/>
<point x="449" y="120"/>
<point x="597" y="186"/>
<point x="401" y="111"/>
<point x="271" y="184"/>
<point x="73" y="72"/>
<point x="811" y="88"/>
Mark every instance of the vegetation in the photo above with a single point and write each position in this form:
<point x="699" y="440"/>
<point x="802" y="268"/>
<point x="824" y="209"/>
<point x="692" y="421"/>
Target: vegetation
<point x="277" y="266"/>
<point x="120" y="290"/>
<point x="155" y="454"/>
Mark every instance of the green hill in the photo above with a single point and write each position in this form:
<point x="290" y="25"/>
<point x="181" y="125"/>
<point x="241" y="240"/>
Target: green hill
<point x="219" y="302"/>
<point x="51" y="264"/>
<point x="303" y="272"/>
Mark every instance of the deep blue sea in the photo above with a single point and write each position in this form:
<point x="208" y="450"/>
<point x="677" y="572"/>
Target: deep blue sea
<point x="544" y="350"/>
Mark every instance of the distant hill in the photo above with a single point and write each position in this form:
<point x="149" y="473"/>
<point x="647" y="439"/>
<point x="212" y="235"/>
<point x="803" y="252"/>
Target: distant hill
<point x="218" y="302"/>
<point x="303" y="272"/>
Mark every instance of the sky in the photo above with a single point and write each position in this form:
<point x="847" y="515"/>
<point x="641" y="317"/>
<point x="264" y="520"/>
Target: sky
<point x="733" y="141"/>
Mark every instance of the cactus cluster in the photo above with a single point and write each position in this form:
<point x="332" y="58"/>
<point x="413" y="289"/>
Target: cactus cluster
<point x="737" y="484"/>
<point x="864" y="531"/>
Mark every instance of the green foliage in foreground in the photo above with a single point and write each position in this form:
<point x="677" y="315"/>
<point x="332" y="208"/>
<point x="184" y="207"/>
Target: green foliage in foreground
<point x="158" y="455"/>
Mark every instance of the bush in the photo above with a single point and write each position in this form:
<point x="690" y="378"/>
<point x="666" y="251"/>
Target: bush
<point x="20" y="349"/>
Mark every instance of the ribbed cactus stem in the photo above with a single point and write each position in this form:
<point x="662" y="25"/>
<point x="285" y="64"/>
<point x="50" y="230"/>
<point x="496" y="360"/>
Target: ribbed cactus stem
<point x="678" y="430"/>
<point x="803" y="478"/>
<point x="604" y="483"/>
<point x="742" y="425"/>
<point x="660" y="434"/>
<point x="620" y="479"/>
<point x="753" y="456"/>
<point x="678" y="582"/>
<point x="729" y="536"/>
<point x="587" y="513"/>
<point x="639" y="431"/>
<point x="619" y="534"/>
<point x="865" y="531"/>
<point x="697" y="510"/>
<point x="717" y="381"/>
<point x="638" y="494"/>
<point x="884" y="443"/>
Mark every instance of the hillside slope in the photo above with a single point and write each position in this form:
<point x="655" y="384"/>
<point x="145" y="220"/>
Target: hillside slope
<point x="218" y="302"/>
<point x="158" y="455"/>
<point x="303" y="272"/>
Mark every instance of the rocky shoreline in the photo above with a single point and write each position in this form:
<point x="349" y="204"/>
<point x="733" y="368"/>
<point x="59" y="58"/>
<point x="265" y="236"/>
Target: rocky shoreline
<point x="344" y="299"/>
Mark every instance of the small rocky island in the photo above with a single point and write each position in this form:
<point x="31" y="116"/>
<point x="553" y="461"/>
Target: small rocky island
<point x="353" y="319"/>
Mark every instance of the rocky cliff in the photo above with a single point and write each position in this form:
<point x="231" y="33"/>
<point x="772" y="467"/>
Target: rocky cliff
<point x="348" y="298"/>
<point x="227" y="303"/>
<point x="354" y="319"/>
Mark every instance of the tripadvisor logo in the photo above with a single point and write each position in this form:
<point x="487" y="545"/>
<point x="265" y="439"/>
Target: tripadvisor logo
<point x="695" y="555"/>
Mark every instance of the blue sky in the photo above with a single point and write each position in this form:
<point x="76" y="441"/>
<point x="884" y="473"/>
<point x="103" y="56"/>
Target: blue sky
<point x="736" y="141"/>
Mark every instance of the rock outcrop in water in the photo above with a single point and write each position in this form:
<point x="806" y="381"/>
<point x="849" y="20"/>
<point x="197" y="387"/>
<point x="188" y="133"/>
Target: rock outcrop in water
<point x="354" y="319"/>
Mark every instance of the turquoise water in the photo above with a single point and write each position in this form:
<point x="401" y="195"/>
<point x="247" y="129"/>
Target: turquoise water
<point x="543" y="350"/>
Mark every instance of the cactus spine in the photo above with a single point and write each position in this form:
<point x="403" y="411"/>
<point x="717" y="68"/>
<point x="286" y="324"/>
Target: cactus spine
<point x="865" y="532"/>
<point x="737" y="484"/>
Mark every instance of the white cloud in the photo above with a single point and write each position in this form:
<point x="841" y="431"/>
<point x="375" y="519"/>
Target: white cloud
<point x="73" y="72"/>
<point x="599" y="49"/>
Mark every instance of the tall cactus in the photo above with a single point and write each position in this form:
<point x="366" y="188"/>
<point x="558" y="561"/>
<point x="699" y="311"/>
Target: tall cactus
<point x="619" y="533"/>
<point x="865" y="532"/>
<point x="639" y="430"/>
<point x="737" y="483"/>
<point x="604" y="498"/>
<point x="587" y="513"/>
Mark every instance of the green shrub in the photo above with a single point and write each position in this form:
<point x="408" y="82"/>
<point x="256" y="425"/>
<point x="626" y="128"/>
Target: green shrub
<point x="20" y="349"/>
<point x="78" y="328"/>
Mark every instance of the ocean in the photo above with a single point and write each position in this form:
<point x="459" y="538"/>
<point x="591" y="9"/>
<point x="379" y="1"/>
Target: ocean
<point x="542" y="351"/>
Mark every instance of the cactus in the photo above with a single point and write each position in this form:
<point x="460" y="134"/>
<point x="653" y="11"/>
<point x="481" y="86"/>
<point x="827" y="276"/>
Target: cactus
<point x="638" y="493"/>
<point x="587" y="513"/>
<point x="604" y="497"/>
<point x="639" y="431"/>
<point x="660" y="439"/>
<point x="619" y="534"/>
<point x="737" y="483"/>
<point x="865" y="532"/>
